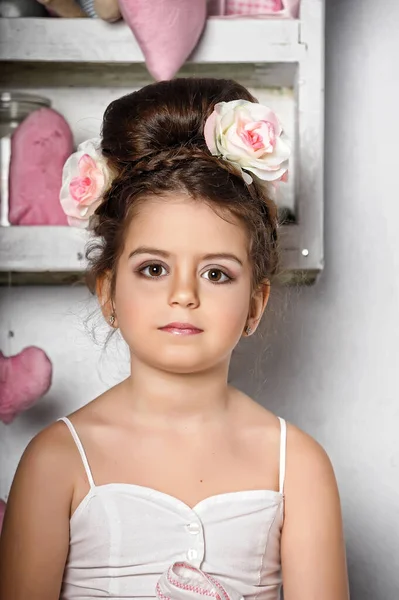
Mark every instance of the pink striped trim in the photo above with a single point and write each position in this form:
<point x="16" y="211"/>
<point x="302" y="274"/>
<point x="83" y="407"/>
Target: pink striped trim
<point x="161" y="594"/>
<point x="195" y="588"/>
<point x="185" y="586"/>
<point x="219" y="585"/>
<point x="249" y="7"/>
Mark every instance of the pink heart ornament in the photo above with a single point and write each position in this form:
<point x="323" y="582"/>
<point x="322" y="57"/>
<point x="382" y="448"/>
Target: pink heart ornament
<point x="24" y="378"/>
<point x="166" y="30"/>
<point x="39" y="148"/>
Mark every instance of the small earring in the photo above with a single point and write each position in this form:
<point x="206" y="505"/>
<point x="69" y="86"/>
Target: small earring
<point x="111" y="320"/>
<point x="248" y="330"/>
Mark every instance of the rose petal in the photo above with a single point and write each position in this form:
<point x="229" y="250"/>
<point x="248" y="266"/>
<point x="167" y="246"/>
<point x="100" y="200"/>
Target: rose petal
<point x="273" y="161"/>
<point x="86" y="165"/>
<point x="267" y="175"/>
<point x="227" y="120"/>
<point x="253" y="111"/>
<point x="209" y="132"/>
<point x="234" y="145"/>
<point x="246" y="177"/>
<point x="80" y="223"/>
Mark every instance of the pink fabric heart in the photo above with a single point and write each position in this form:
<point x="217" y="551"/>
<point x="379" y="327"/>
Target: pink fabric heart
<point x="24" y="379"/>
<point x="2" y="511"/>
<point x="39" y="149"/>
<point x="166" y="30"/>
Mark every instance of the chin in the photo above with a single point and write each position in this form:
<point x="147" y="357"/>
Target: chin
<point x="181" y="358"/>
<point x="183" y="366"/>
<point x="183" y="361"/>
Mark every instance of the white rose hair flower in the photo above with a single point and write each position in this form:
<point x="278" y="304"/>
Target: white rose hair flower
<point x="250" y="136"/>
<point x="247" y="134"/>
<point x="85" y="179"/>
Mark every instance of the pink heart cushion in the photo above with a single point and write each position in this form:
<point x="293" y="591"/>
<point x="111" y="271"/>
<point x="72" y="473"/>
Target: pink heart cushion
<point x="39" y="149"/>
<point x="24" y="379"/>
<point x="2" y="511"/>
<point x="166" y="30"/>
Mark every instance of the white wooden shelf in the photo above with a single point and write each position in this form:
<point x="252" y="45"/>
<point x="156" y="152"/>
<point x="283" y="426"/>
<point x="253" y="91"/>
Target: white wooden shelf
<point x="56" y="254"/>
<point x="42" y="248"/>
<point x="95" y="41"/>
<point x="82" y="64"/>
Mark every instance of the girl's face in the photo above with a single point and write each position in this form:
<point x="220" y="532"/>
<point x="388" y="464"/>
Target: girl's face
<point x="183" y="264"/>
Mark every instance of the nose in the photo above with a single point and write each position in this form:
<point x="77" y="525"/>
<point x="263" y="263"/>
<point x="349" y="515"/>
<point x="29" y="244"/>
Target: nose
<point x="184" y="289"/>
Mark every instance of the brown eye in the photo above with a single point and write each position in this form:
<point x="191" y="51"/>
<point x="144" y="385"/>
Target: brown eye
<point x="217" y="276"/>
<point x="153" y="271"/>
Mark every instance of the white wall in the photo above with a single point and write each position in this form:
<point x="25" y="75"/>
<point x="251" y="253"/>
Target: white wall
<point x="330" y="359"/>
<point x="333" y="362"/>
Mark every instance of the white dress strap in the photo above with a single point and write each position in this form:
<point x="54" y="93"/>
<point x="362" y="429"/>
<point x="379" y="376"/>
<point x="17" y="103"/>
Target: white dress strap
<point x="283" y="446"/>
<point x="80" y="448"/>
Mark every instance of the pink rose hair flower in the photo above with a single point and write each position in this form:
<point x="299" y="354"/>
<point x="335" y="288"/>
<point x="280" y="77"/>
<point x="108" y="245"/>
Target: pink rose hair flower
<point x="247" y="134"/>
<point x="85" y="179"/>
<point x="250" y="136"/>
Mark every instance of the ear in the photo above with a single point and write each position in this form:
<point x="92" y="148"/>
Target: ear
<point x="259" y="300"/>
<point x="103" y="291"/>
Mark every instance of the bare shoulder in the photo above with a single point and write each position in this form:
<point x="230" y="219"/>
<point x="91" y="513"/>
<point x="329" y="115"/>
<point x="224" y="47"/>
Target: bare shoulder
<point x="307" y="463"/>
<point x="302" y="449"/>
<point x="50" y="445"/>
<point x="35" y="535"/>
<point x="308" y="466"/>
<point x="259" y="427"/>
<point x="49" y="457"/>
<point x="313" y="529"/>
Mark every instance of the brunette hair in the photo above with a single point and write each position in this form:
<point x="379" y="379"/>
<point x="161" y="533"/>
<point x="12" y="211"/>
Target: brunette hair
<point x="154" y="143"/>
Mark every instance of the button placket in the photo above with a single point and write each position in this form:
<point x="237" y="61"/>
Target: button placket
<point x="195" y="551"/>
<point x="192" y="554"/>
<point x="194" y="528"/>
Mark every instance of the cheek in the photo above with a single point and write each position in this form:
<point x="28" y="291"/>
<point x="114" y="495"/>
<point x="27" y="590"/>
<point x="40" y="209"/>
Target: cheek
<point x="230" y="308"/>
<point x="132" y="300"/>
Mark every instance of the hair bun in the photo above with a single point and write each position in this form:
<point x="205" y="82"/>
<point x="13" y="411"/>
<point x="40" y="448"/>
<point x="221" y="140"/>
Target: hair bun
<point x="161" y="116"/>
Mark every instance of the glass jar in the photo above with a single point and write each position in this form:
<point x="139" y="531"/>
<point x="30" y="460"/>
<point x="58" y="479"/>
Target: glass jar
<point x="14" y="108"/>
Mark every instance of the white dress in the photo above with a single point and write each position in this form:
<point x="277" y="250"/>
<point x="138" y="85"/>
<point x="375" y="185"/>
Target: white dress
<point x="126" y="538"/>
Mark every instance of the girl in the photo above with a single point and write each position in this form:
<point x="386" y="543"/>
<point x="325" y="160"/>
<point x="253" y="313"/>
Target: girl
<point x="173" y="483"/>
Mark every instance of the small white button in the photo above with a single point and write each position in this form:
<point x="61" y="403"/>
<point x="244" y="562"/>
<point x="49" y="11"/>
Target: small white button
<point x="194" y="528"/>
<point x="192" y="554"/>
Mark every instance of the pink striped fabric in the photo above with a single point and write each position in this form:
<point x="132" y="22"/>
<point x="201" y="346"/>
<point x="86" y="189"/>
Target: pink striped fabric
<point x="253" y="7"/>
<point x="275" y="8"/>
<point x="183" y="581"/>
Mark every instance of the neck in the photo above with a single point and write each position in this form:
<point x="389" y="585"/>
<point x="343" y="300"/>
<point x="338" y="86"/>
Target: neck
<point x="184" y="398"/>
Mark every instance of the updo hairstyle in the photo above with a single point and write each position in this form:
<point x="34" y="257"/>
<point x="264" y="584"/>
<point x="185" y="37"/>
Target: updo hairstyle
<point x="154" y="143"/>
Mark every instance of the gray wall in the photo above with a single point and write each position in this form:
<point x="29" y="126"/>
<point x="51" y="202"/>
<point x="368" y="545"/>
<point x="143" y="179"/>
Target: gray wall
<point x="332" y="359"/>
<point x="330" y="355"/>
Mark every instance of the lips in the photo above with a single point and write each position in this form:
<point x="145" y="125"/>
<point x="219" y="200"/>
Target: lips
<point x="181" y="329"/>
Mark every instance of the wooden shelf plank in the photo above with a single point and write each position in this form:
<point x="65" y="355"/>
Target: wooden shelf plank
<point x="240" y="40"/>
<point x="42" y="248"/>
<point x="51" y="254"/>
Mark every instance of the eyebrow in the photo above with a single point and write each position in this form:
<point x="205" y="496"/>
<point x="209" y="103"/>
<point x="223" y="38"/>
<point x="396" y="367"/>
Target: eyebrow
<point x="164" y="254"/>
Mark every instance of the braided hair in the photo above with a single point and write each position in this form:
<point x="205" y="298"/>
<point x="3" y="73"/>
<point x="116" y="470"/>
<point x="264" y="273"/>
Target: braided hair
<point x="154" y="144"/>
